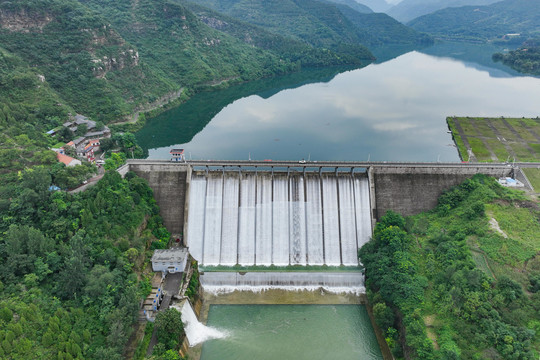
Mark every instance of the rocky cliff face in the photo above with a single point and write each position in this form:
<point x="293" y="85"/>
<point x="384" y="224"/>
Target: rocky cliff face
<point x="23" y="20"/>
<point x="110" y="52"/>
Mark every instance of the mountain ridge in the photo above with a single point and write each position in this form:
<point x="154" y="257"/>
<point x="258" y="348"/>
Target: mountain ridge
<point x="483" y="23"/>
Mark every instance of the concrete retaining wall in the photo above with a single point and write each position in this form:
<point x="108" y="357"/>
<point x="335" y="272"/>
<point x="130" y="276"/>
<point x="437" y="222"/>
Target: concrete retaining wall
<point x="169" y="184"/>
<point x="409" y="190"/>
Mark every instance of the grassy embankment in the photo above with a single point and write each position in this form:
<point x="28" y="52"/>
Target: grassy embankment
<point x="499" y="140"/>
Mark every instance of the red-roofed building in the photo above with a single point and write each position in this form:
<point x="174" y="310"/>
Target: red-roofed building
<point x="94" y="143"/>
<point x="177" y="154"/>
<point x="67" y="160"/>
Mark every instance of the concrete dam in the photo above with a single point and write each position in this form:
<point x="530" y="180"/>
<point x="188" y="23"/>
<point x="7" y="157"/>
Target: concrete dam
<point x="252" y="213"/>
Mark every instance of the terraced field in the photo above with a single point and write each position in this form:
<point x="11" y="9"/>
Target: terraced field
<point x="481" y="139"/>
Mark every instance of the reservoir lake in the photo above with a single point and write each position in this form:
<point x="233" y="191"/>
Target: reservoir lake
<point x="391" y="110"/>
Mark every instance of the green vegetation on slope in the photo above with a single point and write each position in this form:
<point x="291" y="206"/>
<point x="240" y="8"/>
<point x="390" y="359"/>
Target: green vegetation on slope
<point x="381" y="29"/>
<point x="461" y="281"/>
<point x="80" y="56"/>
<point x="109" y="59"/>
<point x="534" y="177"/>
<point x="353" y="4"/>
<point x="483" y="23"/>
<point x="184" y="49"/>
<point x="407" y="10"/>
<point x="67" y="265"/>
<point x="28" y="109"/>
<point x="526" y="59"/>
<point x="319" y="24"/>
<point x="295" y="51"/>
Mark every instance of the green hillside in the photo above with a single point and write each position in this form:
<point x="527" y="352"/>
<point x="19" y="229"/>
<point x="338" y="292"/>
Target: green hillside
<point x="376" y="5"/>
<point x="83" y="59"/>
<point x="71" y="265"/>
<point x="525" y="59"/>
<point x="483" y="23"/>
<point x="353" y="4"/>
<point x="380" y="29"/>
<point x="174" y="42"/>
<point x="295" y="51"/>
<point x="461" y="281"/>
<point x="319" y="24"/>
<point x="407" y="10"/>
<point x="107" y="59"/>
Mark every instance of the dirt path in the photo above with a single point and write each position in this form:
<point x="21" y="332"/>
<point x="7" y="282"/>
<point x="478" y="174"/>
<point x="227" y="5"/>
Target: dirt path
<point x="152" y="106"/>
<point x="91" y="182"/>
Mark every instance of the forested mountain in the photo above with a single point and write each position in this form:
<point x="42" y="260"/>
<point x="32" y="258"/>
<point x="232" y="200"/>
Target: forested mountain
<point x="525" y="59"/>
<point x="295" y="51"/>
<point x="483" y="22"/>
<point x="380" y="29"/>
<point x="353" y="5"/>
<point x="320" y="24"/>
<point x="411" y="9"/>
<point x="105" y="59"/>
<point x="80" y="56"/>
<point x="68" y="263"/>
<point x="376" y="5"/>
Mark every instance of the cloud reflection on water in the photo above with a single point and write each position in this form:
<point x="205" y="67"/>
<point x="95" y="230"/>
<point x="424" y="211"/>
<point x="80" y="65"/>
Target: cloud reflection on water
<point x="390" y="111"/>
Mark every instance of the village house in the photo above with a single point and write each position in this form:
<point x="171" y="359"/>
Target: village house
<point x="95" y="143"/>
<point x="88" y="152"/>
<point x="105" y="133"/>
<point x="67" y="160"/>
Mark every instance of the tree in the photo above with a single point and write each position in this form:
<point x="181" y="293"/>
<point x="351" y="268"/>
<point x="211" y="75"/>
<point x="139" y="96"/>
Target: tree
<point x="169" y="326"/>
<point x="115" y="161"/>
<point x="81" y="130"/>
<point x="64" y="134"/>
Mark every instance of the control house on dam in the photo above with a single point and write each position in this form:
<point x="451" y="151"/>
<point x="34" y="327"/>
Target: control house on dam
<point x="284" y="215"/>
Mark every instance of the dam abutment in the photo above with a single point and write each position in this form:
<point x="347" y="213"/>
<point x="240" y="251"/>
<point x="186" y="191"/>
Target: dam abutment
<point x="169" y="183"/>
<point x="412" y="190"/>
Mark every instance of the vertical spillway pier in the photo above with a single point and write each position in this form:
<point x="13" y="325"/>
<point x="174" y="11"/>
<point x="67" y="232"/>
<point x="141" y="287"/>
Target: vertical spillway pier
<point x="275" y="218"/>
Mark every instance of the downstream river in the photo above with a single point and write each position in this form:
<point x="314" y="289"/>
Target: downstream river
<point x="300" y="332"/>
<point x="394" y="109"/>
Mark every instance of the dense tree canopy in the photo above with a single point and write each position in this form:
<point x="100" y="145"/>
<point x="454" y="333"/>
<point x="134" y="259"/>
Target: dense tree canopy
<point x="443" y="285"/>
<point x="66" y="265"/>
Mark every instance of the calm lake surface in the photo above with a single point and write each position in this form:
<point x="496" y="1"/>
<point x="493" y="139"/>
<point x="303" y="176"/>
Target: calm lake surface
<point x="300" y="332"/>
<point x="395" y="109"/>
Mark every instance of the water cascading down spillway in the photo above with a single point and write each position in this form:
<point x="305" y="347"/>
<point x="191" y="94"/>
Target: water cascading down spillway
<point x="197" y="332"/>
<point x="250" y="218"/>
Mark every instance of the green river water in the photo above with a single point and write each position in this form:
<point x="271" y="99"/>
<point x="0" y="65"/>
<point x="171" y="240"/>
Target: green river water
<point x="277" y="332"/>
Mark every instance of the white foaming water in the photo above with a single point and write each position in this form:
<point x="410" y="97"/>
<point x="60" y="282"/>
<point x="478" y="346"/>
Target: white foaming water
<point x="218" y="289"/>
<point x="334" y="282"/>
<point x="197" y="332"/>
<point x="229" y="231"/>
<point x="263" y="218"/>
<point x="332" y="248"/>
